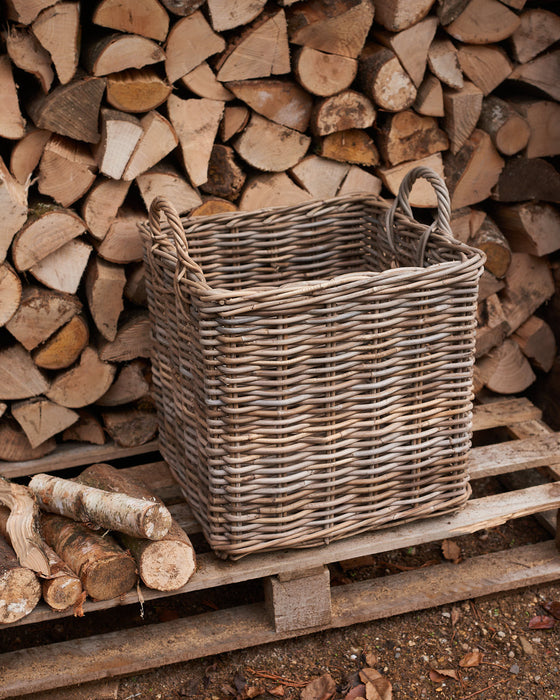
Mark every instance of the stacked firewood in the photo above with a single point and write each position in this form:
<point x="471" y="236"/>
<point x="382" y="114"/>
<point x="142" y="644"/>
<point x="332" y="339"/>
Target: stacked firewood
<point x="238" y="105"/>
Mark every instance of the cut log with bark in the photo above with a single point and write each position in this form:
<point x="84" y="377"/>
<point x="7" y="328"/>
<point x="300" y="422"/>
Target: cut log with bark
<point x="530" y="227"/>
<point x="25" y="11"/>
<point x="422" y="193"/>
<point x="397" y="15"/>
<point x="101" y="205"/>
<point x="320" y="177"/>
<point x="271" y="147"/>
<point x="120" y="133"/>
<point x="493" y="326"/>
<point x="13" y="203"/>
<point x="157" y="140"/>
<point x="537" y="343"/>
<point x="104" y="569"/>
<point x="234" y="120"/>
<point x="488" y="285"/>
<point x="133" y="339"/>
<point x="182" y="8"/>
<point x="429" y="99"/>
<point x="118" y="52"/>
<point x="506" y="370"/>
<point x="84" y="383"/>
<point x="41" y="419"/>
<point x="543" y="118"/>
<point x="347" y="110"/>
<point x="472" y="172"/>
<point x="484" y="22"/>
<point x="538" y="29"/>
<point x="225" y="177"/>
<point x="86" y="429"/>
<point x="384" y="80"/>
<point x="12" y="123"/>
<point x="67" y="170"/>
<point x="271" y="190"/>
<point x="462" y="110"/>
<point x="130" y="427"/>
<point x="165" y="565"/>
<point x="135" y="287"/>
<point x="443" y="60"/>
<point x="10" y="292"/>
<point x="202" y="82"/>
<point x="408" y="136"/>
<point x="64" y="346"/>
<point x="352" y="146"/>
<point x="190" y="42"/>
<point x="144" y="17"/>
<point x="58" y="30"/>
<point x="63" y="269"/>
<point x="323" y="74"/>
<point x="122" y="243"/>
<point x="508" y="130"/>
<point x="226" y="15"/>
<point x="27" y="153"/>
<point x="280" y="101"/>
<point x="485" y="66"/>
<point x="360" y="181"/>
<point x="27" y="53"/>
<point x="542" y="73"/>
<point x="20" y="590"/>
<point x="164" y="180"/>
<point x="214" y="205"/>
<point x="138" y="517"/>
<point x="524" y="179"/>
<point x="130" y="385"/>
<point x="136" y="90"/>
<point x="495" y="246"/>
<point x="70" y="110"/>
<point x="15" y="447"/>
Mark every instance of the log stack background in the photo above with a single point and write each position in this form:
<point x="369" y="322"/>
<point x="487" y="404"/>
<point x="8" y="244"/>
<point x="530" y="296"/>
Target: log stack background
<point x="237" y="105"/>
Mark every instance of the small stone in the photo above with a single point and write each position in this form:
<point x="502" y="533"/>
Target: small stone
<point x="514" y="669"/>
<point x="537" y="640"/>
<point x="353" y="657"/>
<point x="425" y="658"/>
<point x="465" y="647"/>
<point x="445" y="614"/>
<point x="526" y="646"/>
<point x="397" y="655"/>
<point x="511" y="655"/>
<point x="501" y="634"/>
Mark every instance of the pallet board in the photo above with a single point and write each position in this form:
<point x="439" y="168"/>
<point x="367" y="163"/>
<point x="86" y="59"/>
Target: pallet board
<point x="290" y="575"/>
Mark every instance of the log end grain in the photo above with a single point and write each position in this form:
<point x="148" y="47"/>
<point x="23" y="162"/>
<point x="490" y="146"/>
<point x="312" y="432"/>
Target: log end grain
<point x="167" y="565"/>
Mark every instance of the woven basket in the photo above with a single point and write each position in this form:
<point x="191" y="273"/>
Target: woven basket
<point x="313" y="366"/>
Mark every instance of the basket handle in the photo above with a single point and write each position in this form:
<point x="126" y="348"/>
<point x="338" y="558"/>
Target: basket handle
<point x="443" y="216"/>
<point x="161" y="205"/>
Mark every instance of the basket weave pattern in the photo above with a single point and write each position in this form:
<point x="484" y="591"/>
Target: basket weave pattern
<point x="312" y="373"/>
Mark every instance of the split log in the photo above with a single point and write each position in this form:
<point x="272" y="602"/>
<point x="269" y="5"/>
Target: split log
<point x="86" y="429"/>
<point x="543" y="118"/>
<point x="319" y="176"/>
<point x="508" y="130"/>
<point x="64" y="347"/>
<point x="165" y="181"/>
<point x="203" y="82"/>
<point x="133" y="339"/>
<point x="411" y="46"/>
<point x="384" y="80"/>
<point x="529" y="283"/>
<point x="493" y="326"/>
<point x="269" y="146"/>
<point x="494" y="245"/>
<point x="408" y="136"/>
<point x="12" y="123"/>
<point x="196" y="123"/>
<point x="472" y="172"/>
<point x="20" y="590"/>
<point x="537" y="343"/>
<point x="144" y="17"/>
<point x="122" y="243"/>
<point x="462" y="110"/>
<point x="27" y="53"/>
<point x="41" y="312"/>
<point x="323" y="74"/>
<point x="339" y="27"/>
<point x="226" y="15"/>
<point x="538" y="29"/>
<point x="3" y="408"/>
<point x="225" y="177"/>
<point x="359" y="181"/>
<point x="484" y="22"/>
<point x="234" y="120"/>
<point x="190" y="41"/>
<point x="41" y="419"/>
<point x="83" y="383"/>
<point x="62" y="270"/>
<point x="488" y="285"/>
<point x="465" y="222"/>
<point x="112" y="511"/>
<point x="352" y="146"/>
<point x="443" y="59"/>
<point x="22" y="526"/>
<point x="135" y="287"/>
<point x="120" y="134"/>
<point x="542" y="73"/>
<point x="280" y="101"/>
<point x="214" y="205"/>
<point x="506" y="370"/>
<point x="422" y="193"/>
<point x="136" y="90"/>
<point x="63" y="588"/>
<point x="486" y="66"/>
<point x="27" y="153"/>
<point x="523" y="179"/>
<point x="70" y="110"/>
<point x="397" y="15"/>
<point x="182" y="7"/>
<point x="130" y="385"/>
<point x="271" y="190"/>
<point x="102" y="203"/>
<point x="104" y="285"/>
<point x="25" y="11"/>
<point x="66" y="171"/>
<point x="15" y="447"/>
<point x="165" y="565"/>
<point x="10" y="292"/>
<point x="104" y="569"/>
<point x="157" y="140"/>
<point x="58" y="29"/>
<point x="530" y="227"/>
<point x="429" y="99"/>
<point x="118" y="52"/>
<point x="347" y="110"/>
<point x="130" y="427"/>
<point x="267" y="39"/>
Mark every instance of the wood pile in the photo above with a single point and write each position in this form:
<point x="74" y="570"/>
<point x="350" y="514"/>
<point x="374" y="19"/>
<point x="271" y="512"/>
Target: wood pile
<point x="238" y="105"/>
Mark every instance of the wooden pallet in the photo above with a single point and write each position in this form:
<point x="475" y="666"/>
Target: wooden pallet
<point x="298" y="596"/>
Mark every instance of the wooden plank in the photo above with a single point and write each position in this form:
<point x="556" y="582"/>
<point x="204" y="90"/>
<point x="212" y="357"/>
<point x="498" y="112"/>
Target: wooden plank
<point x="479" y="514"/>
<point x="504" y="412"/>
<point x="514" y="456"/>
<point x="143" y="648"/>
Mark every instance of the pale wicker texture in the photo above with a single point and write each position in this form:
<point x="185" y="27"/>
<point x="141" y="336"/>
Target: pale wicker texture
<point x="313" y="374"/>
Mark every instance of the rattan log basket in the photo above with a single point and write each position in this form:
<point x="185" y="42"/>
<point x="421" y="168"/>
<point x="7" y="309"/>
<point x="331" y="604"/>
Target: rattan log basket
<point x="313" y="366"/>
